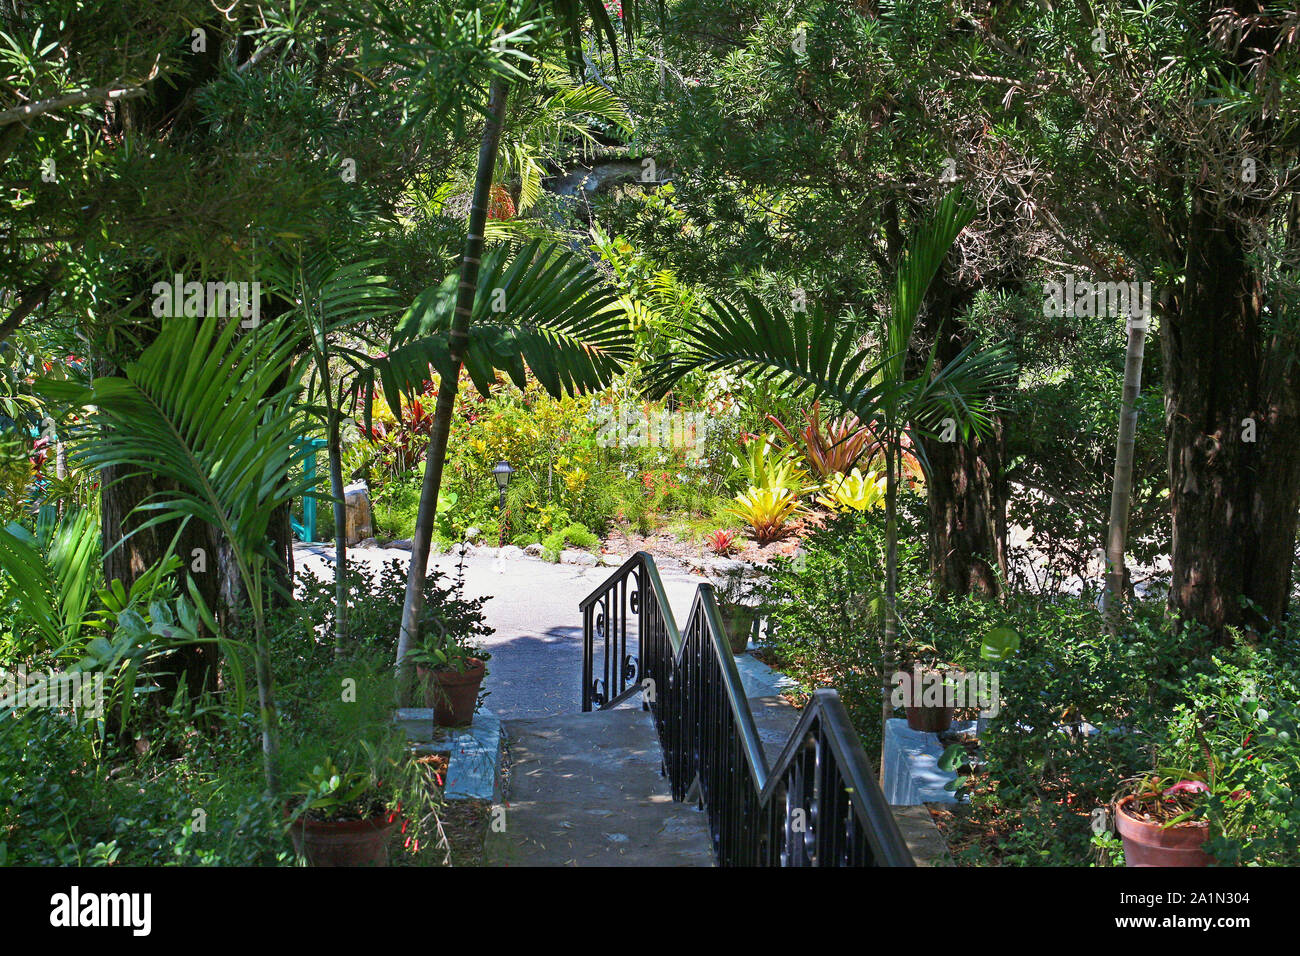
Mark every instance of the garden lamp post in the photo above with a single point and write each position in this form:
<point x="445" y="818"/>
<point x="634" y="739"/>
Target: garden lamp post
<point x="502" y="472"/>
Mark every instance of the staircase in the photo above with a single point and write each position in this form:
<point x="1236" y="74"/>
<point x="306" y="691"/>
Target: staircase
<point x="620" y="785"/>
<point x="586" y="790"/>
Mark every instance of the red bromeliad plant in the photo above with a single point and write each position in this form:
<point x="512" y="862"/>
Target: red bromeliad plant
<point x="721" y="542"/>
<point x="832" y="447"/>
<point x="404" y="441"/>
<point x="835" y="447"/>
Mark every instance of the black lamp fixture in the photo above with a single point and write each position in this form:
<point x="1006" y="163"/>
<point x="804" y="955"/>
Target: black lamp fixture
<point x="502" y="471"/>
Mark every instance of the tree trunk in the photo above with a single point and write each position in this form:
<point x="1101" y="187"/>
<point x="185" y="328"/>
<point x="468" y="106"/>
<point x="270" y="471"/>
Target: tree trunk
<point x="968" y="514"/>
<point x="458" y="341"/>
<point x="1232" y="414"/>
<point x="965" y="487"/>
<point x="334" y="450"/>
<point x="893" y="461"/>
<point x="1112" y="598"/>
<point x="341" y="636"/>
<point x="270" y="719"/>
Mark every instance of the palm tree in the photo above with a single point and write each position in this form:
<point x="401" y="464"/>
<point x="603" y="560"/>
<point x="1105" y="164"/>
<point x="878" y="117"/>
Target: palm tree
<point x="331" y="299"/>
<point x="809" y="352"/>
<point x="205" y="409"/>
<point x="560" y="321"/>
<point x="569" y="16"/>
<point x="1112" y="597"/>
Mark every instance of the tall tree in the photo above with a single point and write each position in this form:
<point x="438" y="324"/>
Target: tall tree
<point x="1162" y="149"/>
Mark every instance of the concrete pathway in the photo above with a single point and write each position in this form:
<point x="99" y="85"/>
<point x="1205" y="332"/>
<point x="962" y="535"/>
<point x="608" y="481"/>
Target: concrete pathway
<point x="536" y="665"/>
<point x="585" y="790"/>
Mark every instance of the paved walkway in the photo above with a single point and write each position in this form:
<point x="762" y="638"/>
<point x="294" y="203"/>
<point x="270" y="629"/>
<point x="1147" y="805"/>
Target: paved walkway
<point x="585" y="790"/>
<point x="536" y="665"/>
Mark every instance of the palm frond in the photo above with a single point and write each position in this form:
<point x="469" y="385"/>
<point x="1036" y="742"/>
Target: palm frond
<point x="543" y="309"/>
<point x="963" y="389"/>
<point x="919" y="264"/>
<point x="208" y="410"/>
<point x="332" y="298"/>
<point x="52" y="582"/>
<point x="802" y="351"/>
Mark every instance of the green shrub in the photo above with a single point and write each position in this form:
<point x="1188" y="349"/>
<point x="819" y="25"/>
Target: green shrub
<point x="396" y="506"/>
<point x="192" y="799"/>
<point x="824" y="611"/>
<point x="1082" y="710"/>
<point x="574" y="534"/>
<point x="375" y="601"/>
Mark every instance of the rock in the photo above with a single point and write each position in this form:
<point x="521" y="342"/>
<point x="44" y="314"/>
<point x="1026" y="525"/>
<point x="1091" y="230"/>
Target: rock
<point x="724" y="566"/>
<point x="613" y="560"/>
<point x="510" y="552"/>
<point x="360" y="524"/>
<point x="573" y="556"/>
<point x="534" y="550"/>
<point x="459" y="549"/>
<point x="368" y="543"/>
<point x="472" y="535"/>
<point x="402" y="544"/>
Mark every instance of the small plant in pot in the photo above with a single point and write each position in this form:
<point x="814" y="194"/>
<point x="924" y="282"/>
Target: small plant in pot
<point x="738" y="615"/>
<point x="1160" y="819"/>
<point x="1166" y="816"/>
<point x="451" y="671"/>
<point x="340" y="818"/>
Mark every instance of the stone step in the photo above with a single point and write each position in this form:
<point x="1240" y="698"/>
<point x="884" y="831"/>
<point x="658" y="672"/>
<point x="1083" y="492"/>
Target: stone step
<point x="586" y="790"/>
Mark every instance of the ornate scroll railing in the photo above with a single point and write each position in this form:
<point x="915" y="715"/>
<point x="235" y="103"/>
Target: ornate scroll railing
<point x="817" y="805"/>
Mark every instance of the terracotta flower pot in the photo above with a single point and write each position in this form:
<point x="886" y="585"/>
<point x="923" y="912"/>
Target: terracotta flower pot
<point x="343" y="842"/>
<point x="738" y="623"/>
<point x="451" y="694"/>
<point x="1150" y="844"/>
<point x="931" y="720"/>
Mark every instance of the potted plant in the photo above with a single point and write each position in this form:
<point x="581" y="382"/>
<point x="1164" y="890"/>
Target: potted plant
<point x="1166" y="816"/>
<point x="1159" y="823"/>
<point x="737" y="615"/>
<point x="451" y="671"/>
<point x="929" y="698"/>
<point x="340" y="818"/>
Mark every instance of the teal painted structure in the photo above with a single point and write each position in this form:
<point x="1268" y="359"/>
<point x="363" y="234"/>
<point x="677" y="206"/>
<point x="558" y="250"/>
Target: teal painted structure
<point x="305" y="530"/>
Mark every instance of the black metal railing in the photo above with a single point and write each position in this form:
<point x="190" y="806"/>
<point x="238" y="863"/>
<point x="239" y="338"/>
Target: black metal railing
<point x="817" y="805"/>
